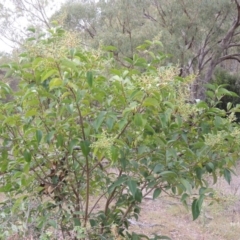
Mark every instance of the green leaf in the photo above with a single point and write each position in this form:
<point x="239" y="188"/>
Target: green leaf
<point x="227" y="175"/>
<point x="9" y="73"/>
<point x="85" y="147"/>
<point x="4" y="154"/>
<point x="156" y="237"/>
<point x="73" y="143"/>
<point x="110" y="48"/>
<point x="114" y="153"/>
<point x="138" y="196"/>
<point x="202" y="104"/>
<point x="163" y="120"/>
<point x="60" y="140"/>
<point x="184" y="137"/>
<point x="93" y="222"/>
<point x="39" y="136"/>
<point x="55" y="82"/>
<point x="143" y="46"/>
<point x="200" y="201"/>
<point x="210" y="94"/>
<point x="90" y="78"/>
<point x="27" y="156"/>
<point x="168" y="174"/>
<point x="138" y="120"/>
<point x="6" y="188"/>
<point x="160" y="237"/>
<point x="132" y="186"/>
<point x="52" y="223"/>
<point x="184" y="198"/>
<point x="229" y="105"/>
<point x="164" y="237"/>
<point x="214" y="177"/>
<point x="158" y="168"/>
<point x="18" y="204"/>
<point x="210" y="167"/>
<point x="195" y="209"/>
<point x="151" y="102"/>
<point x="97" y="123"/>
<point x="117" y="183"/>
<point x="69" y="64"/>
<point x="48" y="74"/>
<point x="224" y="91"/>
<point x="199" y="172"/>
<point x="211" y="86"/>
<point x="156" y="193"/>
<point x="135" y="236"/>
<point x="49" y="137"/>
<point x="110" y="122"/>
<point x="31" y="113"/>
<point x="77" y="222"/>
<point x="186" y="184"/>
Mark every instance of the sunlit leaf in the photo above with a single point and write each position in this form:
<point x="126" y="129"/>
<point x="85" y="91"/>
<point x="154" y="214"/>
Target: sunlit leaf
<point x="48" y="74"/>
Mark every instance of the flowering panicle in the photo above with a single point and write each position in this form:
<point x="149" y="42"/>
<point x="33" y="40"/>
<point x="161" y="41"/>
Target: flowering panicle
<point x="231" y="117"/>
<point x="154" y="82"/>
<point x="183" y="94"/>
<point x="213" y="140"/>
<point x="104" y="143"/>
<point x="54" y="49"/>
<point x="167" y="75"/>
<point x="218" y="140"/>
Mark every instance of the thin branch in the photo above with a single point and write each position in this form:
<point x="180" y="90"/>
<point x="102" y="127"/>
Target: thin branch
<point x="229" y="57"/>
<point x="234" y="45"/>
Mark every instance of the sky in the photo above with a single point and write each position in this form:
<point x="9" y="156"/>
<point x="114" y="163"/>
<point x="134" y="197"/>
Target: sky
<point x="22" y="22"/>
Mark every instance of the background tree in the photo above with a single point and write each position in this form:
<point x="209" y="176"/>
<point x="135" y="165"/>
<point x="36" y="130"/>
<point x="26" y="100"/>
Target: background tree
<point x="200" y="35"/>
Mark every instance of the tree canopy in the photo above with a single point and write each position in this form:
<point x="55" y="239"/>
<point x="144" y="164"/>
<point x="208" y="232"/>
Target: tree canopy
<point x="199" y="35"/>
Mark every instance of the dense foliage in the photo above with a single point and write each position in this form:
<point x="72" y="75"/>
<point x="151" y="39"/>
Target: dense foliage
<point x="232" y="83"/>
<point x="80" y="133"/>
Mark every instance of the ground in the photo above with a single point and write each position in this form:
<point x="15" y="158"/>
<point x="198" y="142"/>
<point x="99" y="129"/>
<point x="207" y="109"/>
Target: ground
<point x="220" y="221"/>
<point x="167" y="216"/>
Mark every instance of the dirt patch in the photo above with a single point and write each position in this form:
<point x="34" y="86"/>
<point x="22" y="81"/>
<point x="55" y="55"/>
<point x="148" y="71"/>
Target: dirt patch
<point x="167" y="216"/>
<point x="220" y="221"/>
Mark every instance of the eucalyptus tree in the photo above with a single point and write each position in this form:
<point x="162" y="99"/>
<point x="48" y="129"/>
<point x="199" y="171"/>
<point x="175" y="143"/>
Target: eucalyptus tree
<point x="200" y="35"/>
<point x="117" y="23"/>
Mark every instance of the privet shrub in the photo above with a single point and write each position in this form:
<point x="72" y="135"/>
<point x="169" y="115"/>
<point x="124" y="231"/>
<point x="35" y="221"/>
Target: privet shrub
<point x="80" y="133"/>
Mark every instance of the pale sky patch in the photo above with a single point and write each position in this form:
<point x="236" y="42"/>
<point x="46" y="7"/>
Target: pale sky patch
<point x="22" y="22"/>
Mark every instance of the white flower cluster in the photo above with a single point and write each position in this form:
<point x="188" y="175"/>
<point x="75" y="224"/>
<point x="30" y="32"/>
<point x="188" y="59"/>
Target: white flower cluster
<point x="104" y="142"/>
<point x="219" y="139"/>
<point x="164" y="77"/>
<point x="213" y="140"/>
